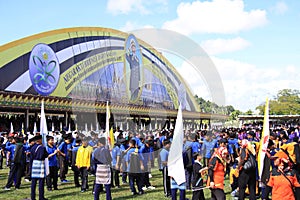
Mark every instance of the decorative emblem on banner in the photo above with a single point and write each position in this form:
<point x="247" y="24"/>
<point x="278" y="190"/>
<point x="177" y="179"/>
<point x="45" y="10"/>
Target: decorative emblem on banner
<point x="43" y="69"/>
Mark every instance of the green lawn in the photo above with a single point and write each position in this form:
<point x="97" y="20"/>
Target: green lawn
<point x="68" y="191"/>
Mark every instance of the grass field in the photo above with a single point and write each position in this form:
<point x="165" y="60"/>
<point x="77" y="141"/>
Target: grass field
<point x="68" y="190"/>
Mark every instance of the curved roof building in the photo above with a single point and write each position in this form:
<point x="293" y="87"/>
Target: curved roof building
<point x="80" y="69"/>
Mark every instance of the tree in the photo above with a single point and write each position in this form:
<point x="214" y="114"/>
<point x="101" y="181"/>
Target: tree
<point x="248" y="112"/>
<point x="211" y="107"/>
<point x="287" y="102"/>
<point x="234" y="115"/>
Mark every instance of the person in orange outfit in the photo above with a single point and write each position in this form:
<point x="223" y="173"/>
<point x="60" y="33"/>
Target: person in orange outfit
<point x="216" y="173"/>
<point x="282" y="179"/>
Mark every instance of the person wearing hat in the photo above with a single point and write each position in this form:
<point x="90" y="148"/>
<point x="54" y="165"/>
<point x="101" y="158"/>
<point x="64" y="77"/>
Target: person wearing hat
<point x="134" y="64"/>
<point x="38" y="154"/>
<point x="282" y="179"/>
<point x="102" y="159"/>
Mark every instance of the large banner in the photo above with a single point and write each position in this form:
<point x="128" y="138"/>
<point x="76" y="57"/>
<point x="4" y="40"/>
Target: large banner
<point x="96" y="65"/>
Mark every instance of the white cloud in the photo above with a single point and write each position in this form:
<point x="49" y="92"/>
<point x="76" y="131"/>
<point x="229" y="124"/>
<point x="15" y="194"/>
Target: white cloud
<point x="130" y="26"/>
<point x="125" y="6"/>
<point x="245" y="85"/>
<point x="217" y="16"/>
<point x="117" y="7"/>
<point x="280" y="8"/>
<point x="218" y="46"/>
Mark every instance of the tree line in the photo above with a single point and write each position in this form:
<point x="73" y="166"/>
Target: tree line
<point x="286" y="102"/>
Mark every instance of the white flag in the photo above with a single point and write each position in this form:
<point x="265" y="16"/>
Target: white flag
<point x="11" y="127"/>
<point x="175" y="160"/>
<point x="121" y="126"/>
<point x="34" y="128"/>
<point x="97" y="127"/>
<point x="44" y="132"/>
<point x="43" y="124"/>
<point x="86" y="128"/>
<point x="60" y="126"/>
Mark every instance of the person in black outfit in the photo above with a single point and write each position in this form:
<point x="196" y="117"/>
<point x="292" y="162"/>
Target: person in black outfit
<point x="38" y="153"/>
<point x="246" y="177"/>
<point x="73" y="162"/>
<point x="102" y="160"/>
<point x="197" y="181"/>
<point x="17" y="165"/>
<point x="2" y="154"/>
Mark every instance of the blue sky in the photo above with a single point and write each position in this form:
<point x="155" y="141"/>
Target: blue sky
<point x="254" y="44"/>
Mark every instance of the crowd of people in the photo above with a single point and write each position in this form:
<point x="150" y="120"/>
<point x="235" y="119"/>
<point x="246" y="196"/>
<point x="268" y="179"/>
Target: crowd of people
<point x="208" y="157"/>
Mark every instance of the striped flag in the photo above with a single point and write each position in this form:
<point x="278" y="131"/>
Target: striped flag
<point x="175" y="160"/>
<point x="109" y="132"/>
<point x="264" y="141"/>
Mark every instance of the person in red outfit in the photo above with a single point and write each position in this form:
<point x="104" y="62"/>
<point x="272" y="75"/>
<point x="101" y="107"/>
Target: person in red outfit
<point x="282" y="179"/>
